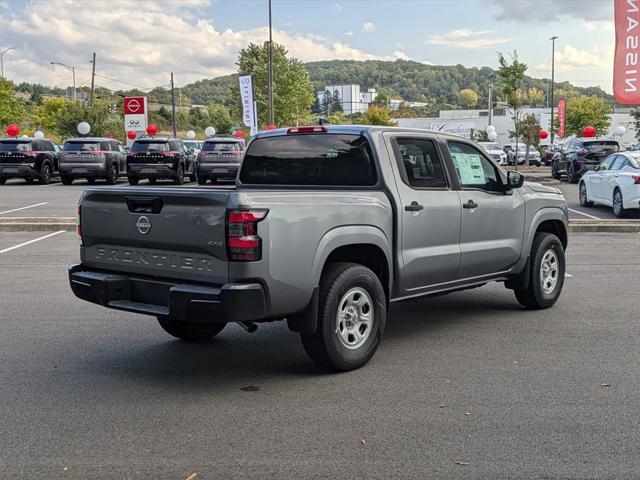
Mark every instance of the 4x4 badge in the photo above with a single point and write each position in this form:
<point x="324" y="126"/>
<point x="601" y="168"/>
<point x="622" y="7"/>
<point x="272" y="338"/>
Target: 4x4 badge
<point x="144" y="225"/>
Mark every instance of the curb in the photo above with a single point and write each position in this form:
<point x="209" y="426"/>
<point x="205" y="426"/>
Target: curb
<point x="611" y="226"/>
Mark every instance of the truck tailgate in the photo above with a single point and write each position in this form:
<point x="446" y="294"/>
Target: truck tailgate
<point x="162" y="232"/>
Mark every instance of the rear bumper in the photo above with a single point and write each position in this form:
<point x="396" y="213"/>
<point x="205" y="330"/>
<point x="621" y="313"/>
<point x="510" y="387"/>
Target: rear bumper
<point x="144" y="170"/>
<point x="82" y="170"/>
<point x="218" y="169"/>
<point x="19" y="171"/>
<point x="231" y="302"/>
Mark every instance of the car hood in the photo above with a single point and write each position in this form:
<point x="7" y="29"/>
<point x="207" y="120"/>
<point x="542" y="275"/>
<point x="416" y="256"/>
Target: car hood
<point x="539" y="188"/>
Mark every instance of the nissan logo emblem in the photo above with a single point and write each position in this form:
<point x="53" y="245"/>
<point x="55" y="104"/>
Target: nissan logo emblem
<point x="144" y="225"/>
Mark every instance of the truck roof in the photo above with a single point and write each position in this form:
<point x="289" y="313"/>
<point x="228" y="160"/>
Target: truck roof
<point x="358" y="129"/>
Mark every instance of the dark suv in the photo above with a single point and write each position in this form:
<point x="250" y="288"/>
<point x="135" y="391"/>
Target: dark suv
<point x="220" y="158"/>
<point x="579" y="155"/>
<point x="160" y="157"/>
<point x="27" y="158"/>
<point x="92" y="158"/>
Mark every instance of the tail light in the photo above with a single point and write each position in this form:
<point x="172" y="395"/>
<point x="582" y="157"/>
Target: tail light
<point x="237" y="154"/>
<point x="307" y="130"/>
<point x="78" y="227"/>
<point x="168" y="154"/>
<point x="30" y="154"/>
<point x="636" y="179"/>
<point x="243" y="242"/>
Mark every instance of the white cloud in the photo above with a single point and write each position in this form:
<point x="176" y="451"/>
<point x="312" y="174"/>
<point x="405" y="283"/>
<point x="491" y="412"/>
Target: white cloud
<point x="349" y="33"/>
<point x="546" y="11"/>
<point x="400" y="55"/>
<point x="571" y="58"/>
<point x="427" y="62"/>
<point x="466" y="38"/>
<point x="141" y="42"/>
<point x="593" y="26"/>
<point x="368" y="27"/>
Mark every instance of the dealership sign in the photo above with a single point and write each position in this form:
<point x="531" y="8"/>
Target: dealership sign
<point x="626" y="68"/>
<point x="562" y="116"/>
<point x="463" y="129"/>
<point x="135" y="114"/>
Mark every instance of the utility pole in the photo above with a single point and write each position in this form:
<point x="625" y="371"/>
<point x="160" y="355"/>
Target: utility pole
<point x="93" y="78"/>
<point x="490" y="103"/>
<point x="553" y="61"/>
<point x="173" y="105"/>
<point x="270" y="67"/>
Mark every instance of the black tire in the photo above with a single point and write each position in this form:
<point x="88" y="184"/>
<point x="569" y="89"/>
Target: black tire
<point x="91" y="180"/>
<point x="571" y="175"/>
<point x="179" y="180"/>
<point x="618" y="204"/>
<point x="133" y="180"/>
<point x="3" y="180"/>
<point x="202" y="180"/>
<point x="112" y="175"/>
<point x="66" y="180"/>
<point x="534" y="296"/>
<point x="152" y="181"/>
<point x="325" y="346"/>
<point x="45" y="174"/>
<point x="190" y="331"/>
<point x="582" y="196"/>
<point x="554" y="171"/>
<point x="29" y="180"/>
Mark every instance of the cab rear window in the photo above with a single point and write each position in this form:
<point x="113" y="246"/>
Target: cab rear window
<point x="311" y="159"/>
<point x="15" y="147"/>
<point x="81" y="147"/>
<point x="150" y="147"/>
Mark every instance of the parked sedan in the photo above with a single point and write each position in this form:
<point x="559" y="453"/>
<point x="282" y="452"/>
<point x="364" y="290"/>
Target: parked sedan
<point x="615" y="183"/>
<point x="579" y="155"/>
<point x="28" y="158"/>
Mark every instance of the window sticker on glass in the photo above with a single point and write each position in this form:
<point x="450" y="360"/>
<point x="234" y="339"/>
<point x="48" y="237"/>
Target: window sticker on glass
<point x="469" y="168"/>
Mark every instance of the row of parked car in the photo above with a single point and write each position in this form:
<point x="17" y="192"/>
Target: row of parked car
<point x="93" y="158"/>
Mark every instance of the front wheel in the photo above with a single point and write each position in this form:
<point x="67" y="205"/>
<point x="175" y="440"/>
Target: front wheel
<point x="546" y="273"/>
<point x="190" y="331"/>
<point x="351" y="319"/>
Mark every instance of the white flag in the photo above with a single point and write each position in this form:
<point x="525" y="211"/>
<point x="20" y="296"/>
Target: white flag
<point x="249" y="114"/>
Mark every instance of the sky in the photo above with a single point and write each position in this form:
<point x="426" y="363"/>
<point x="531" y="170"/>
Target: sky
<point x="138" y="43"/>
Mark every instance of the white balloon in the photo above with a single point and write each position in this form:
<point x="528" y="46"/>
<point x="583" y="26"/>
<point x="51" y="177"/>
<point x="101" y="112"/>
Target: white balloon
<point x="209" y="131"/>
<point x="493" y="136"/>
<point x="24" y="136"/>
<point x="619" y="130"/>
<point x="84" y="128"/>
<point x="191" y="134"/>
<point x="38" y="135"/>
<point x="490" y="128"/>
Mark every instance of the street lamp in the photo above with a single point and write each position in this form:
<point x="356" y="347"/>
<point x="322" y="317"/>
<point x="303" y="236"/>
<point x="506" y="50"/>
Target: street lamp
<point x="553" y="61"/>
<point x="73" y="73"/>
<point x="2" y="52"/>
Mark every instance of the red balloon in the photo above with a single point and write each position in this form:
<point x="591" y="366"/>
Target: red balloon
<point x="589" y="131"/>
<point x="131" y="135"/>
<point x="13" y="130"/>
<point x="271" y="126"/>
<point x="543" y="134"/>
<point x="239" y="134"/>
<point x="152" y="129"/>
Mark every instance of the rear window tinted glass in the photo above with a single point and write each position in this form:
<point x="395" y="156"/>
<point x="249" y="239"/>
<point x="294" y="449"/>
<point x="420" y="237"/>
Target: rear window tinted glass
<point x="220" y="147"/>
<point x="81" y="147"/>
<point x="150" y="147"/>
<point x="311" y="159"/>
<point x="15" y="147"/>
<point x="602" y="146"/>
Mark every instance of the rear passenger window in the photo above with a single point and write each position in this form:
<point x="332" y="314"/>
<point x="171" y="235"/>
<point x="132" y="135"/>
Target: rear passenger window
<point x="104" y="146"/>
<point x="419" y="163"/>
<point x="618" y="163"/>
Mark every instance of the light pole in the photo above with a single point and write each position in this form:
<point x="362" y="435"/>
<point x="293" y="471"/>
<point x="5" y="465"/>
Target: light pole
<point x="72" y="69"/>
<point x="2" y="52"/>
<point x="270" y="67"/>
<point x="553" y="62"/>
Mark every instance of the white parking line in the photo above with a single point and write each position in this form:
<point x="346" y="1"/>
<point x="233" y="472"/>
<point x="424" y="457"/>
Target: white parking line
<point x="585" y="214"/>
<point x="32" y="241"/>
<point x="23" y="208"/>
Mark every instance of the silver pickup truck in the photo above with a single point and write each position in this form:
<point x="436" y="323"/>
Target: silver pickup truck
<point x="326" y="227"/>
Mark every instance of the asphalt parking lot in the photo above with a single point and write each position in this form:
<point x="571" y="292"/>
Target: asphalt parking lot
<point x="19" y="199"/>
<point x="464" y="386"/>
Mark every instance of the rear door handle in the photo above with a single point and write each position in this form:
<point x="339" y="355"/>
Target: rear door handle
<point x="414" y="207"/>
<point x="470" y="204"/>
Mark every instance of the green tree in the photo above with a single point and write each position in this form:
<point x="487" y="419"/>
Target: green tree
<point x="11" y="109"/>
<point x="529" y="131"/>
<point x="511" y="78"/>
<point x="583" y="111"/>
<point x="293" y="92"/>
<point x="479" y="135"/>
<point x="377" y="116"/>
<point x="220" y="118"/>
<point x="468" y="98"/>
<point x="47" y="115"/>
<point x="635" y="113"/>
<point x="535" y="97"/>
<point x="103" y="124"/>
<point x="336" y="103"/>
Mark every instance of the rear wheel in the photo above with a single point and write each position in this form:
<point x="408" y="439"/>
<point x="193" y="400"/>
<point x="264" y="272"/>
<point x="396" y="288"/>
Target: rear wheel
<point x="152" y="181"/>
<point x="91" y="180"/>
<point x="554" y="171"/>
<point x="546" y="273"/>
<point x="112" y="175"/>
<point x="190" y="331"/>
<point x="133" y="180"/>
<point x="179" y="180"/>
<point x="45" y="174"/>
<point x="582" y="196"/>
<point x="571" y="174"/>
<point x="66" y="180"/>
<point x="202" y="180"/>
<point x="3" y="180"/>
<point x="618" y="204"/>
<point x="29" y="180"/>
<point x="351" y="319"/>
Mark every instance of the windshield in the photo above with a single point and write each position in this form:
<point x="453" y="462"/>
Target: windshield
<point x="310" y="159"/>
<point x="81" y="147"/>
<point x="218" y="146"/>
<point x="15" y="147"/>
<point x="150" y="147"/>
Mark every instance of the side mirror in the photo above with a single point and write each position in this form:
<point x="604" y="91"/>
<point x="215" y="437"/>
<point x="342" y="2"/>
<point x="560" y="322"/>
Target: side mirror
<point x="514" y="179"/>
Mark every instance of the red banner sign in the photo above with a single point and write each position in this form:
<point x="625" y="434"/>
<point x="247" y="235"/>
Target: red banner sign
<point x="134" y="105"/>
<point x="562" y="116"/>
<point x="626" y="67"/>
